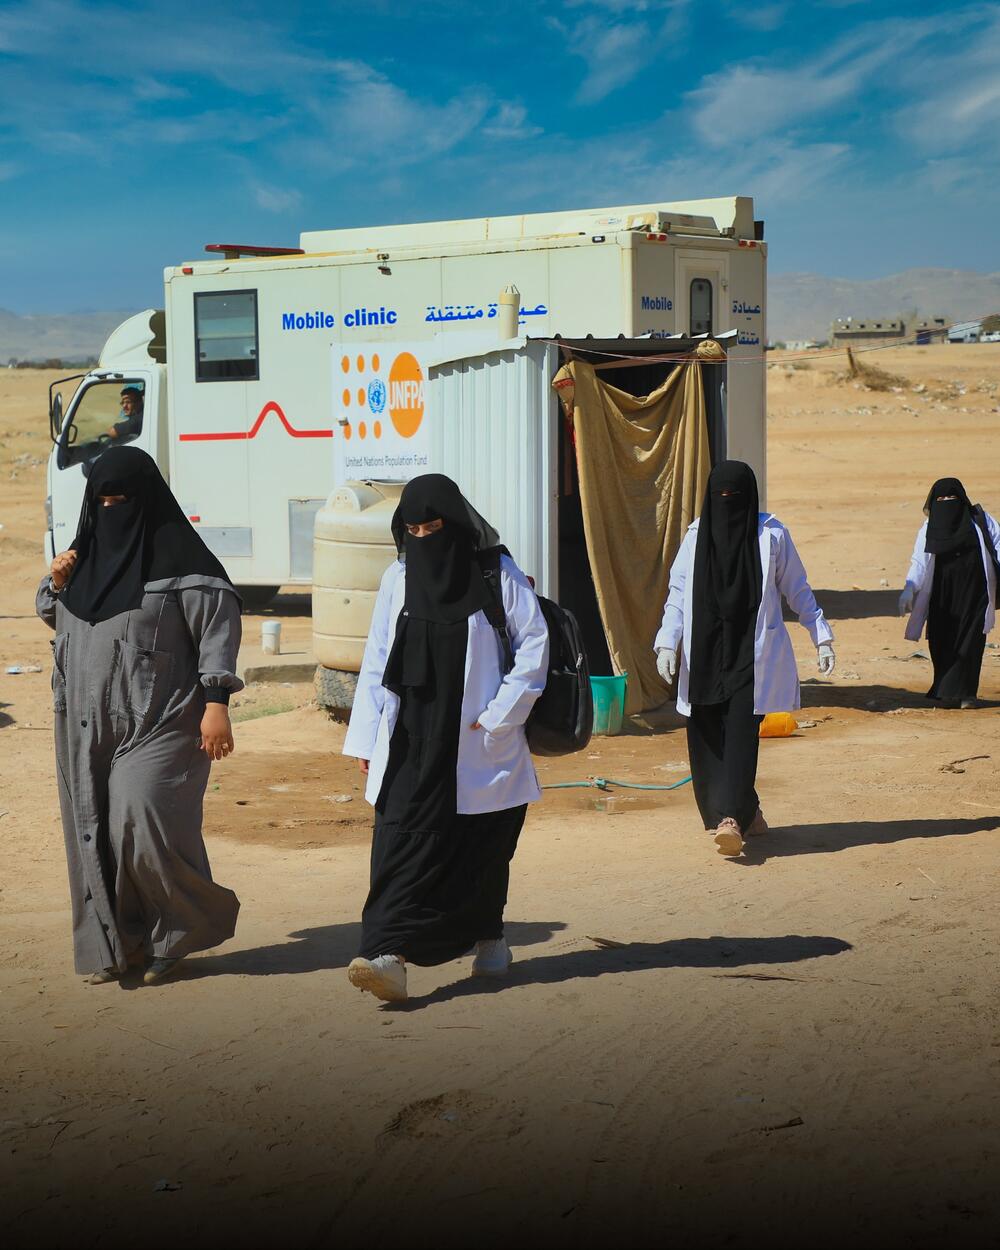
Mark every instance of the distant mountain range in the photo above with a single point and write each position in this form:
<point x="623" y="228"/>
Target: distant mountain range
<point x="69" y="337"/>
<point x="800" y="306"/>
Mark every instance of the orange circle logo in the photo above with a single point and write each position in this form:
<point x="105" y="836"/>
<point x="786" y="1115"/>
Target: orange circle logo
<point x="406" y="394"/>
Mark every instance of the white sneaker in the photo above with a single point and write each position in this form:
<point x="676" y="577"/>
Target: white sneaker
<point x="728" y="838"/>
<point x="493" y="958"/>
<point x="385" y="977"/>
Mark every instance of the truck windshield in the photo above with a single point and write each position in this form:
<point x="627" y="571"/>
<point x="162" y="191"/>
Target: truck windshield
<point x="107" y="414"/>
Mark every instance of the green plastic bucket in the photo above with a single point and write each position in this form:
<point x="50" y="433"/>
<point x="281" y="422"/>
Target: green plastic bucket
<point x="609" y="703"/>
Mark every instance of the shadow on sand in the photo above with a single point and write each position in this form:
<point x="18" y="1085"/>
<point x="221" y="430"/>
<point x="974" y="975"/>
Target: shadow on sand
<point x="710" y="952"/>
<point x="857" y="605"/>
<point x="843" y="836"/>
<point x="331" y="946"/>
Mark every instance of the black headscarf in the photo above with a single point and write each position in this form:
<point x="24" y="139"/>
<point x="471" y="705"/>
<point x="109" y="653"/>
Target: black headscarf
<point x="444" y="579"/>
<point x="727" y="585"/>
<point x="949" y="521"/>
<point x="123" y="548"/>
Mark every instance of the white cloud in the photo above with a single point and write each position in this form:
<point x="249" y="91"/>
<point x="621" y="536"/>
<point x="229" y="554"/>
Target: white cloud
<point x="510" y="121"/>
<point x="276" y="199"/>
<point x="368" y="118"/>
<point x="953" y="92"/>
<point x="617" y="51"/>
<point x="766" y="98"/>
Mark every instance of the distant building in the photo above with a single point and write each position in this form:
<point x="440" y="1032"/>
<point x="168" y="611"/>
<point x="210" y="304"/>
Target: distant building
<point x="853" y="331"/>
<point x="929" y="330"/>
<point x="801" y="345"/>
<point x="965" y="332"/>
<point x="922" y="330"/>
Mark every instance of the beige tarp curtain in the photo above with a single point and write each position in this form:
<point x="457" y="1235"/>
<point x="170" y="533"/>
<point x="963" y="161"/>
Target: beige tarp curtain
<point x="643" y="464"/>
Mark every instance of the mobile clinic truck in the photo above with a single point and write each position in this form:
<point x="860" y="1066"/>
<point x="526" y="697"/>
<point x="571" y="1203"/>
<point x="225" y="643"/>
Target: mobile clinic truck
<point x="242" y="378"/>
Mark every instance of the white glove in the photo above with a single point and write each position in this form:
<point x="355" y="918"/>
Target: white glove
<point x="827" y="660"/>
<point x="906" y="600"/>
<point x="666" y="664"/>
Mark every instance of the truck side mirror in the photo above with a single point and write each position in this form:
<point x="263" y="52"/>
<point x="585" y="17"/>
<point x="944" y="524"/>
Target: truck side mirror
<point x="56" y="415"/>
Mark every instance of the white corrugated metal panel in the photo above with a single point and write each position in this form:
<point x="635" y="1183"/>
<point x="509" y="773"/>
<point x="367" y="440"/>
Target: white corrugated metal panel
<point x="496" y="433"/>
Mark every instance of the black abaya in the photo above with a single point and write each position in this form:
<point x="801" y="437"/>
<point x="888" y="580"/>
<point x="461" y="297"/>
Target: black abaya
<point x="722" y="730"/>
<point x="955" y="618"/>
<point x="723" y="741"/>
<point x="957" y="609"/>
<point x="433" y="896"/>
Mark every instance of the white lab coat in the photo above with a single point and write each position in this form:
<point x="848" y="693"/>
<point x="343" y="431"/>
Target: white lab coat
<point x="495" y="771"/>
<point x="775" y="677"/>
<point x="921" y="578"/>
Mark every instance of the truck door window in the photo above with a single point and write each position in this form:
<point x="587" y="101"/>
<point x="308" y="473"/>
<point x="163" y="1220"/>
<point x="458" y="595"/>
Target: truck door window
<point x="225" y="336"/>
<point x="701" y="306"/>
<point x="108" y="414"/>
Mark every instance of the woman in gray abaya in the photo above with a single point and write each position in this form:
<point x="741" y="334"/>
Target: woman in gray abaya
<point x="147" y="630"/>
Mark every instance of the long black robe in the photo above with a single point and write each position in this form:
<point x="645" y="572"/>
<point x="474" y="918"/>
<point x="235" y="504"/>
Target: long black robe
<point x="722" y="730"/>
<point x="955" y="618"/>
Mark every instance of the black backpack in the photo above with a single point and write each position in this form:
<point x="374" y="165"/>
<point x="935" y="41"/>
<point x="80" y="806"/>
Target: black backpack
<point x="562" y="719"/>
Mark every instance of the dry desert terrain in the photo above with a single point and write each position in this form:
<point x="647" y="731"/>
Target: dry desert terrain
<point x="801" y="1047"/>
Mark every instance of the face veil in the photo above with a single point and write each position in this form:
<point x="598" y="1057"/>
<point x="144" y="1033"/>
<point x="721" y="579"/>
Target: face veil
<point x="444" y="580"/>
<point x="949" y="521"/>
<point x="123" y="547"/>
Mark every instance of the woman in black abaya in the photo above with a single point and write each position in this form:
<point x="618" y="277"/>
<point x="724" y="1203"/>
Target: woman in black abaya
<point x="449" y="774"/>
<point x="951" y="585"/>
<point x="723" y="621"/>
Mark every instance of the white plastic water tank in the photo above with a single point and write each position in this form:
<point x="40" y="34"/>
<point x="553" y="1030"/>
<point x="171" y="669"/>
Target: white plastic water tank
<point x="352" y="548"/>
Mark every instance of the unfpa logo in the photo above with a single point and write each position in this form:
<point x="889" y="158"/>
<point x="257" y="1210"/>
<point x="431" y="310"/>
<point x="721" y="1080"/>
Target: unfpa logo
<point x="400" y="389"/>
<point x="406" y="394"/>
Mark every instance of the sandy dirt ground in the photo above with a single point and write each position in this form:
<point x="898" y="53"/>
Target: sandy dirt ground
<point x="801" y="1047"/>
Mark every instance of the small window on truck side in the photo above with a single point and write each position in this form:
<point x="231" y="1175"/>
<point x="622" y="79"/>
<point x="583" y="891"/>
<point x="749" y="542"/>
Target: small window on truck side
<point x="225" y="336"/>
<point x="701" y="306"/>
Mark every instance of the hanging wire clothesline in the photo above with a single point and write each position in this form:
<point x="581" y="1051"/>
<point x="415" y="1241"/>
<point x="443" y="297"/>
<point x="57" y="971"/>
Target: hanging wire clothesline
<point x="687" y="358"/>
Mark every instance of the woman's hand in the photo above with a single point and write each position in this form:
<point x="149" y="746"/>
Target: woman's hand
<point x="216" y="732"/>
<point x="363" y="765"/>
<point x="60" y="569"/>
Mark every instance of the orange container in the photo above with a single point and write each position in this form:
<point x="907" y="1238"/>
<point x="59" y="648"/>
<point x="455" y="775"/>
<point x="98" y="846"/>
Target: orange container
<point x="778" y="725"/>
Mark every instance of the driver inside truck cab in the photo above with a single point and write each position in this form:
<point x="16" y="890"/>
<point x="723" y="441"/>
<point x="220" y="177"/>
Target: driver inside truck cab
<point x="130" y="423"/>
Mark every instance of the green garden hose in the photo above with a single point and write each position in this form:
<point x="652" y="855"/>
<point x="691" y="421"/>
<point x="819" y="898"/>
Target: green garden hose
<point x="603" y="783"/>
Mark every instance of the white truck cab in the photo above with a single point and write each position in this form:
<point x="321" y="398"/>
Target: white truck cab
<point x="122" y="401"/>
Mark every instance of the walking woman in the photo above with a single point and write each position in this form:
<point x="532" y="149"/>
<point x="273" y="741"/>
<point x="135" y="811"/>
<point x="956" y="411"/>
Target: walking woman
<point x="951" y="587"/>
<point x="439" y="729"/>
<point x="147" y="630"/>
<point x="723" y="618"/>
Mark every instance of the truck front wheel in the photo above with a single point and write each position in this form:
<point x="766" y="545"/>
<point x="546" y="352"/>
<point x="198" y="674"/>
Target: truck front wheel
<point x="256" y="598"/>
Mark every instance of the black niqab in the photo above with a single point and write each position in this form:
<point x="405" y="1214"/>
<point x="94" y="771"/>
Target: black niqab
<point x="950" y="526"/>
<point x="727" y="585"/>
<point x="444" y="581"/>
<point x="122" y="548"/>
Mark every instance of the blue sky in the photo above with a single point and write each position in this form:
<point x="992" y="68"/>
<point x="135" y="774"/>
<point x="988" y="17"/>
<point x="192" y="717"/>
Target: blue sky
<point x="131" y="135"/>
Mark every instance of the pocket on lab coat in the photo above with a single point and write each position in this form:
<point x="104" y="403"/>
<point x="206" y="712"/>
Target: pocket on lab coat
<point x="503" y="746"/>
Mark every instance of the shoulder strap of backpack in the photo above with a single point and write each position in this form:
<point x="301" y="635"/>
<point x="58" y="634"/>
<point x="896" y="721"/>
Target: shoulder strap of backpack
<point x="489" y="562"/>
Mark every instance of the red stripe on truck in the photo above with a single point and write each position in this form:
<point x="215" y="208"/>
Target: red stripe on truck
<point x="271" y="406"/>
